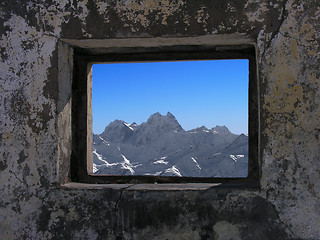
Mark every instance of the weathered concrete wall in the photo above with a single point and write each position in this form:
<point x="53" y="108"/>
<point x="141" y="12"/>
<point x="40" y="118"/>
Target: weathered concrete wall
<point x="33" y="206"/>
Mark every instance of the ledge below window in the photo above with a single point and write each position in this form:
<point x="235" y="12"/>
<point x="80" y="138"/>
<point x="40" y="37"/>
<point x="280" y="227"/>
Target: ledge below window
<point x="161" y="187"/>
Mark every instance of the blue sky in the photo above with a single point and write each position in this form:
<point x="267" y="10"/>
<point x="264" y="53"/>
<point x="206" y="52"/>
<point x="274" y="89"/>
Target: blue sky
<point x="197" y="93"/>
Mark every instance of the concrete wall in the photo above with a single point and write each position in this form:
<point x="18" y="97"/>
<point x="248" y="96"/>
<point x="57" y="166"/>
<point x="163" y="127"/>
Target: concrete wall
<point x="33" y="106"/>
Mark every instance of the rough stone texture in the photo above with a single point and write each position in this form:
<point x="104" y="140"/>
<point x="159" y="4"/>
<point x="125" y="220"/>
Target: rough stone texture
<point x="35" y="105"/>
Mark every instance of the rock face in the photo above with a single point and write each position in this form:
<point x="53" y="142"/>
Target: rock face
<point x="161" y="146"/>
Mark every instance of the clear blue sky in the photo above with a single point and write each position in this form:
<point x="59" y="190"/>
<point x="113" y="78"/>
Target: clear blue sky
<point x="197" y="93"/>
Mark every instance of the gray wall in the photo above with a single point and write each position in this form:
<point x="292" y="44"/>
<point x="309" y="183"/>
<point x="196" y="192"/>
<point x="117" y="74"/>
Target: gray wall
<point x="35" y="114"/>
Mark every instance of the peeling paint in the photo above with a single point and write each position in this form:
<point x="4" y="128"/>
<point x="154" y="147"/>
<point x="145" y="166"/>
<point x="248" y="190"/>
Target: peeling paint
<point x="35" y="100"/>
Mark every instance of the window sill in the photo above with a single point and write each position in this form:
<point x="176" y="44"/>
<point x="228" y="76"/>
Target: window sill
<point x="161" y="187"/>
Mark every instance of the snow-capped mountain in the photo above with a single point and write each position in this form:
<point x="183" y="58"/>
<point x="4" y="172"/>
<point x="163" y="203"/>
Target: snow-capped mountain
<point x="160" y="146"/>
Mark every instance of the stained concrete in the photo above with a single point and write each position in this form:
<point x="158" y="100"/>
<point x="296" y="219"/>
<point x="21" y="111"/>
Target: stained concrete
<point x="36" y="71"/>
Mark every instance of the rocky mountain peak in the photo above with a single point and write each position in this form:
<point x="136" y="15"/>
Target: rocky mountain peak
<point x="154" y="117"/>
<point x="170" y="115"/>
<point x="163" y="122"/>
<point x="118" y="130"/>
<point x="221" y="129"/>
<point x="200" y="129"/>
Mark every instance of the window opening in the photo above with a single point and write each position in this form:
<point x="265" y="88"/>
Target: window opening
<point x="187" y="118"/>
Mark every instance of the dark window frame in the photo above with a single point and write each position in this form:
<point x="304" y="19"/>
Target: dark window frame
<point x="82" y="113"/>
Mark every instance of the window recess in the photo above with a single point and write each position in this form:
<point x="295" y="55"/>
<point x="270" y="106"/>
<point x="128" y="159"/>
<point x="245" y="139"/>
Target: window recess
<point x="84" y="149"/>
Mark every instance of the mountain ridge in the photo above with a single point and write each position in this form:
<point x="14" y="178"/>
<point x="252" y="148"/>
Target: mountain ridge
<point x="160" y="146"/>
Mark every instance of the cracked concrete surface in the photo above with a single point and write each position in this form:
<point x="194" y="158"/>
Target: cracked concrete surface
<point x="35" y="43"/>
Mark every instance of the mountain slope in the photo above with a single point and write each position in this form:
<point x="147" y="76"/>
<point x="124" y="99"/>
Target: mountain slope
<point x="161" y="146"/>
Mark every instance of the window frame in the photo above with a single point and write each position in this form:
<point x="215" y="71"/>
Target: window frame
<point x="81" y="115"/>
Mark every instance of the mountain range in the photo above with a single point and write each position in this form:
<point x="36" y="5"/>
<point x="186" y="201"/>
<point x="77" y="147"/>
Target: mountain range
<point x="161" y="147"/>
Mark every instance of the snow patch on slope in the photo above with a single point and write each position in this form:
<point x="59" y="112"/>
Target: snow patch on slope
<point x="128" y="125"/>
<point x="104" y="141"/>
<point x="126" y="164"/>
<point x="195" y="161"/>
<point x="173" y="171"/>
<point x="160" y="161"/>
<point x="236" y="157"/>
